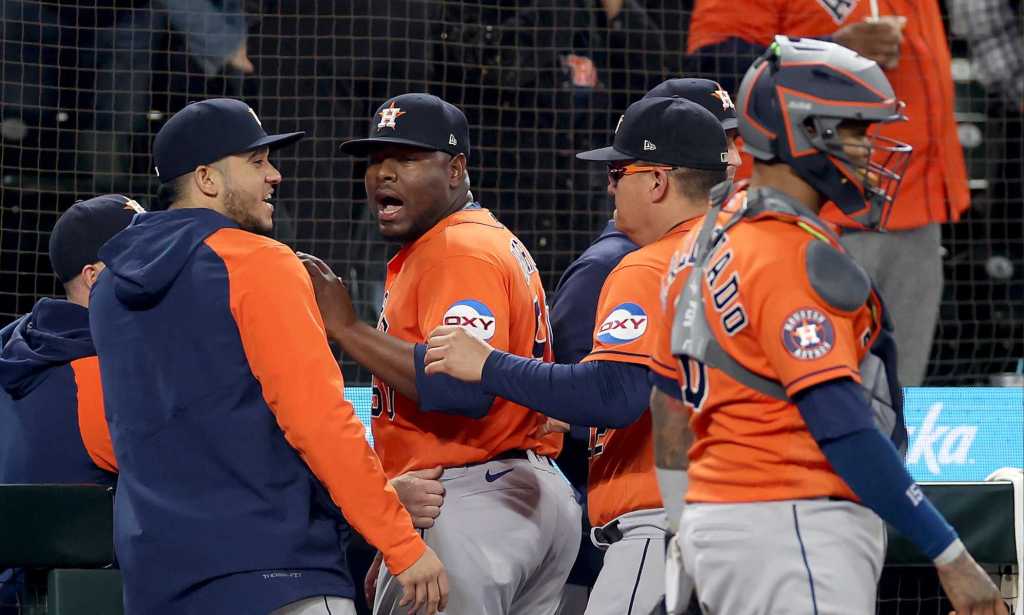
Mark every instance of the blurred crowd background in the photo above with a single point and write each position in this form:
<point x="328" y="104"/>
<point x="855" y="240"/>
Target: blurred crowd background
<point x="84" y="86"/>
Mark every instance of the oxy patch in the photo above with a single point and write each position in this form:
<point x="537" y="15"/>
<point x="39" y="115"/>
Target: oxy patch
<point x="473" y="316"/>
<point x="625" y="323"/>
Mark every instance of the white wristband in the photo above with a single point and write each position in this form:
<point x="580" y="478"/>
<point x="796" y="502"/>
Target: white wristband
<point x="672" y="484"/>
<point x="950" y="553"/>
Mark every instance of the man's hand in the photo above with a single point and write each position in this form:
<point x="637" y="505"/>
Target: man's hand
<point x="370" y="582"/>
<point x="969" y="588"/>
<point x="878" y="39"/>
<point x="424" y="585"/>
<point x="332" y="296"/>
<point x="422" y="494"/>
<point x="551" y="426"/>
<point x="452" y="350"/>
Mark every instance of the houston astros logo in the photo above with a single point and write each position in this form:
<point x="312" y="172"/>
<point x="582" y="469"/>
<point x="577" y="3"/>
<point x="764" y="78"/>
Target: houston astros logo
<point x="389" y="115"/>
<point x="627" y="322"/>
<point x="475" y="317"/>
<point x="808" y="334"/>
<point x="724" y="97"/>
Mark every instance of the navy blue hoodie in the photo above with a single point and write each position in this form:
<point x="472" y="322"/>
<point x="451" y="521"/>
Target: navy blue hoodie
<point x="52" y="428"/>
<point x="235" y="444"/>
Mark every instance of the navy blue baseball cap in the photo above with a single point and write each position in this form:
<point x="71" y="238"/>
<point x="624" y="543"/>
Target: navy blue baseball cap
<point x="705" y="92"/>
<point x="208" y="130"/>
<point x="80" y="231"/>
<point x="671" y="131"/>
<point x="416" y="119"/>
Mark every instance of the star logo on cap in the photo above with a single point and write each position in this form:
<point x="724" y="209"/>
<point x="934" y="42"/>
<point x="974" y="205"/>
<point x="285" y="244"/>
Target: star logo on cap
<point x="389" y="115"/>
<point x="724" y="97"/>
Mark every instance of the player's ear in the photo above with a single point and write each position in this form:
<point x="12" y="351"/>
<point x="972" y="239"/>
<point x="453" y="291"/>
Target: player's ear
<point x="659" y="185"/>
<point x="207" y="179"/>
<point x="457" y="171"/>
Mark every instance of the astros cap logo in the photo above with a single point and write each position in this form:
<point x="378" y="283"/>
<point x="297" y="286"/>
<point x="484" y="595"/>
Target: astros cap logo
<point x="255" y="117"/>
<point x="723" y="96"/>
<point x="389" y="115"/>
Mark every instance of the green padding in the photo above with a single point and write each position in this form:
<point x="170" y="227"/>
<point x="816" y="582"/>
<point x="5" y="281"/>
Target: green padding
<point x="84" y="592"/>
<point x="982" y="514"/>
<point x="56" y="526"/>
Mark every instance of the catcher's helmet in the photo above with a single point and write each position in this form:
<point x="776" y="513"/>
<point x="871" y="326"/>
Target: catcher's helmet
<point x="791" y="103"/>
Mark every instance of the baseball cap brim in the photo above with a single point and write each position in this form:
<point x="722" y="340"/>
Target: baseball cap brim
<point x="730" y="123"/>
<point x="605" y="154"/>
<point x="276" y="141"/>
<point x="362" y="147"/>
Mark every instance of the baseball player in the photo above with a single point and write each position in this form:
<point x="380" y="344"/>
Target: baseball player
<point x="908" y="40"/>
<point x="508" y="524"/>
<point x="574" y="309"/>
<point x="237" y="451"/>
<point x="667" y="154"/>
<point x="52" y="428"/>
<point x="786" y="365"/>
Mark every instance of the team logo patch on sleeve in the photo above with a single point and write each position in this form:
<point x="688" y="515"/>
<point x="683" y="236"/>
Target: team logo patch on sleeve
<point x="473" y="316"/>
<point x="627" y="322"/>
<point x="808" y="334"/>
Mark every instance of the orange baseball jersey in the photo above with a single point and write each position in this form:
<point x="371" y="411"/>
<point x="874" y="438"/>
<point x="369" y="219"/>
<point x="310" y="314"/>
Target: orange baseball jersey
<point x="467" y="270"/>
<point x="764" y="313"/>
<point x="621" y="478"/>
<point x="935" y="185"/>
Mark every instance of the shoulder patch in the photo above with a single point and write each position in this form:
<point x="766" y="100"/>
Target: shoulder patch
<point x="625" y="323"/>
<point x="836" y="277"/>
<point x="808" y="334"/>
<point x="473" y="316"/>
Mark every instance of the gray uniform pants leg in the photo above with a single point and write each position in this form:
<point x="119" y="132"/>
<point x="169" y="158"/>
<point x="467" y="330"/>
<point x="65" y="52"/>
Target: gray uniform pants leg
<point x="319" y="605"/>
<point x="508" y="534"/>
<point x="632" y="578"/>
<point x="907" y="269"/>
<point x="786" y="557"/>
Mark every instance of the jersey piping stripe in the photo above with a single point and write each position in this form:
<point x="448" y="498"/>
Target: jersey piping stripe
<point x="621" y="352"/>
<point x="475" y="222"/>
<point x="670" y="368"/>
<point x="818" y="372"/>
<point x="639" y="573"/>
<point x="807" y="566"/>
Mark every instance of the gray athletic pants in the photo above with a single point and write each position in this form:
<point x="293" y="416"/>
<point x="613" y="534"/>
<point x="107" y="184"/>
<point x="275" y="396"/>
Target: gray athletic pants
<point x="319" y="605"/>
<point x="907" y="269"/>
<point x="785" y="557"/>
<point x="508" y="534"/>
<point x="632" y="578"/>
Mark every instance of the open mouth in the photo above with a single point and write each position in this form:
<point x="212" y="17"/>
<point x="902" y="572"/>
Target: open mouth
<point x="388" y="206"/>
<point x="269" y="201"/>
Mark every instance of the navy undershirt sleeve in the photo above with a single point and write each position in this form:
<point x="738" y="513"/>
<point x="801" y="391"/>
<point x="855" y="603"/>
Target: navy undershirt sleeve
<point x="667" y="386"/>
<point x="594" y="394"/>
<point x="841" y="421"/>
<point x="442" y="393"/>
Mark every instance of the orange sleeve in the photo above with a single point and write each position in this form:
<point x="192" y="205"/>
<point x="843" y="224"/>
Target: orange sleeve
<point x="92" y="422"/>
<point x="284" y="340"/>
<point x="805" y="340"/>
<point x="755" y="21"/>
<point x="626" y="311"/>
<point x="469" y="292"/>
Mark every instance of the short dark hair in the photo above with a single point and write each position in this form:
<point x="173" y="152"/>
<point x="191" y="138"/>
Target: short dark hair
<point x="171" y="192"/>
<point x="696" y="184"/>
